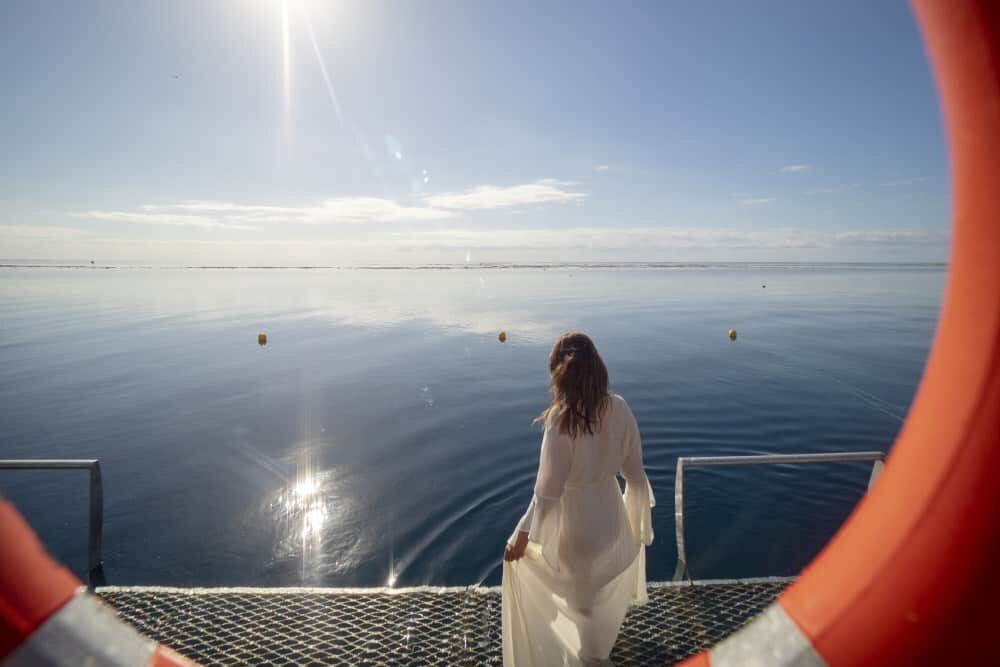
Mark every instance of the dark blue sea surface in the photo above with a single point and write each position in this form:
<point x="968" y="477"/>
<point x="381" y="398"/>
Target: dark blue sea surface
<point x="383" y="434"/>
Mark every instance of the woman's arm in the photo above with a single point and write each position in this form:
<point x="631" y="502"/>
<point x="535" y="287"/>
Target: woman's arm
<point x="639" y="498"/>
<point x="632" y="469"/>
<point x="553" y="469"/>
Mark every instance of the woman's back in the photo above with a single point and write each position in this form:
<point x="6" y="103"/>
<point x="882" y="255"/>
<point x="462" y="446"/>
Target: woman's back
<point x="596" y="539"/>
<point x="600" y="455"/>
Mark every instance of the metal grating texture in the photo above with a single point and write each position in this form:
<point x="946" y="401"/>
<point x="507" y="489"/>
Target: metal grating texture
<point x="412" y="626"/>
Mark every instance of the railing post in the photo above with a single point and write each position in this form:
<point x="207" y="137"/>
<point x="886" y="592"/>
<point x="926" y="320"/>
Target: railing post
<point x="95" y="541"/>
<point x="876" y="471"/>
<point x="681" y="568"/>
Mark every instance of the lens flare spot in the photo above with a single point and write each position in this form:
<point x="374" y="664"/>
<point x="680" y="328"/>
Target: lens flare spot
<point x="393" y="147"/>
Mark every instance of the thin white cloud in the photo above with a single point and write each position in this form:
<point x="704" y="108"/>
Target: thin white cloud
<point x="832" y="190"/>
<point x="756" y="201"/>
<point x="602" y="167"/>
<point x="888" y="237"/>
<point x="795" y="168"/>
<point x="630" y="240"/>
<point x="43" y="233"/>
<point x="175" y="219"/>
<point x="342" y="210"/>
<point x="219" y="207"/>
<point x="235" y="216"/>
<point x="368" y="209"/>
<point x="545" y="191"/>
<point x="904" y="181"/>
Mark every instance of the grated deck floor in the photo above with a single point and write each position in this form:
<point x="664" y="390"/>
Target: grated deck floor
<point x="426" y="626"/>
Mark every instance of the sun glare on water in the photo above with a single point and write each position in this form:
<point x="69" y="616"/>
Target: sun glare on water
<point x="312" y="523"/>
<point x="306" y="487"/>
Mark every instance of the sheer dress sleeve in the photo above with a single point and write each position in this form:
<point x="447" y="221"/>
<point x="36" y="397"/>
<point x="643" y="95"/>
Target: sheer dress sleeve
<point x="543" y="518"/>
<point x="639" y="497"/>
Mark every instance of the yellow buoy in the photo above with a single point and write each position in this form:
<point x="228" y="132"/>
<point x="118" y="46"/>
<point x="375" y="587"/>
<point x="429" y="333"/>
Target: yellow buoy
<point x="262" y="338"/>
<point x="732" y="334"/>
<point x="502" y="337"/>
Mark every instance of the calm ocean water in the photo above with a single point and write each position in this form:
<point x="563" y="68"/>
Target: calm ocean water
<point x="383" y="433"/>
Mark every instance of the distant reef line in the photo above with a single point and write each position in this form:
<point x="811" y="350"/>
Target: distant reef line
<point x="487" y="265"/>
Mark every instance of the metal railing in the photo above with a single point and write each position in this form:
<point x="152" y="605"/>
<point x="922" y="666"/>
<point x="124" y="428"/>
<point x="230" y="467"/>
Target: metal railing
<point x="95" y="531"/>
<point x="681" y="571"/>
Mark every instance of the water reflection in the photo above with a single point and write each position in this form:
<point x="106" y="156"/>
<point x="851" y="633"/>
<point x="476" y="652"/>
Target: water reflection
<point x="313" y="522"/>
<point x="304" y="511"/>
<point x="306" y="487"/>
<point x="384" y="437"/>
<point x="477" y="301"/>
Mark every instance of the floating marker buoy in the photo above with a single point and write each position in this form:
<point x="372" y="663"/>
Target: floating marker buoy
<point x="502" y="337"/>
<point x="764" y="286"/>
<point x="262" y="339"/>
<point x="732" y="334"/>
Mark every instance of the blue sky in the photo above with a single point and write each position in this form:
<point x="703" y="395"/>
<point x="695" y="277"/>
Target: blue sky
<point x="262" y="131"/>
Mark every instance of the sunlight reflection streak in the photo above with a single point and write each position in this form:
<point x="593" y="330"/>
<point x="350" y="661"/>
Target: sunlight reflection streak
<point x="359" y="139"/>
<point x="286" y="55"/>
<point x="322" y="68"/>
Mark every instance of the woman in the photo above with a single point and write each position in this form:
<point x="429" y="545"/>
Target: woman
<point x="577" y="558"/>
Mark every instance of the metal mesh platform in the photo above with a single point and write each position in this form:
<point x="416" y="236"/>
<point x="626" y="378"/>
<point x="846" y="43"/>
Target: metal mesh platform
<point x="452" y="626"/>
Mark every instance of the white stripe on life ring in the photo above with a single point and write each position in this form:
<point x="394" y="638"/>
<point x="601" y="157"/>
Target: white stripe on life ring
<point x="771" y="640"/>
<point x="84" y="631"/>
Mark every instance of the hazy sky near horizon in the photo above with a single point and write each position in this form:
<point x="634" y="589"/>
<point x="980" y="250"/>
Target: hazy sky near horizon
<point x="262" y="131"/>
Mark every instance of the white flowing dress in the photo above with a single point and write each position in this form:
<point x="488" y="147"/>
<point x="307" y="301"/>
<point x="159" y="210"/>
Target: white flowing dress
<point x="564" y="602"/>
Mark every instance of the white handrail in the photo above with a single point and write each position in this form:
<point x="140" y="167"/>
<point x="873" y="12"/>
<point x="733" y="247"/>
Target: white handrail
<point x="681" y="570"/>
<point x="95" y="528"/>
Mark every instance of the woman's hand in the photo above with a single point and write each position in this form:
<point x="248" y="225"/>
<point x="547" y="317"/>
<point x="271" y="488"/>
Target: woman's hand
<point x="516" y="551"/>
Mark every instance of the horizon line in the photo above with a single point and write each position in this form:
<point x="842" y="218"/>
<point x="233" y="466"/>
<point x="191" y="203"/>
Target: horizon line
<point x="88" y="264"/>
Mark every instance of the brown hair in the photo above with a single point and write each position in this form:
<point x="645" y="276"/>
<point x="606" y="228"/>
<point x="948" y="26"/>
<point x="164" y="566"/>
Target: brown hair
<point x="579" y="385"/>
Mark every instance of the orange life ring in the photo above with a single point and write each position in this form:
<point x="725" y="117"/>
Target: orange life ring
<point x="912" y="576"/>
<point x="48" y="618"/>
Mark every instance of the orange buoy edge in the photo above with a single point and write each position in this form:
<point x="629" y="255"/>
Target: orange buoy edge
<point x="262" y="339"/>
<point x="732" y="334"/>
<point x="502" y="337"/>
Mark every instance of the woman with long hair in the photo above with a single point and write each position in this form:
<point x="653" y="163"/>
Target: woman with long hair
<point x="576" y="559"/>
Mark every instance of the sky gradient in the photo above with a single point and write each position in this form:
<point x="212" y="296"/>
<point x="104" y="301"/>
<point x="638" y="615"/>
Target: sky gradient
<point x="343" y="133"/>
